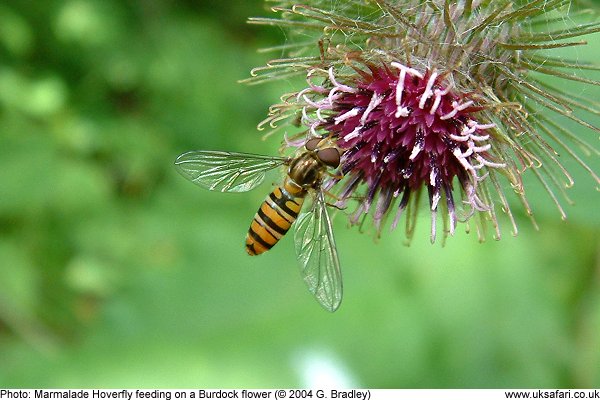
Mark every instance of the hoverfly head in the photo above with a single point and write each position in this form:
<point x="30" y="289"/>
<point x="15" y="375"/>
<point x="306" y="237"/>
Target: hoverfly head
<point x="324" y="150"/>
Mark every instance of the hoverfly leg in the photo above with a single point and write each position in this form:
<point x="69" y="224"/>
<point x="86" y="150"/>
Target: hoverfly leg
<point x="341" y="208"/>
<point x="335" y="176"/>
<point x="337" y="200"/>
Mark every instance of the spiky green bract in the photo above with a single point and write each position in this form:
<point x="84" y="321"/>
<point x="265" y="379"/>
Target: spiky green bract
<point x="484" y="64"/>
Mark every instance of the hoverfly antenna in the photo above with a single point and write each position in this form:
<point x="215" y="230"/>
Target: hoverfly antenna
<point x="329" y="156"/>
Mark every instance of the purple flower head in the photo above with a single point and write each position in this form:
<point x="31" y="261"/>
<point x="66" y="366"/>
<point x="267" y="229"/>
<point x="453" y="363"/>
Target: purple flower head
<point x="452" y="98"/>
<point x="402" y="130"/>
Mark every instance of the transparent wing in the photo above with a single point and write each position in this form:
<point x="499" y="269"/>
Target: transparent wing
<point x="226" y="171"/>
<point x="317" y="254"/>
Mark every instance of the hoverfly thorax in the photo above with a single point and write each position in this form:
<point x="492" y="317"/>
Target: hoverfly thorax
<point x="305" y="170"/>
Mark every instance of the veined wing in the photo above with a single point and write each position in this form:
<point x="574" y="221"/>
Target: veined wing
<point x="226" y="171"/>
<point x="317" y="254"/>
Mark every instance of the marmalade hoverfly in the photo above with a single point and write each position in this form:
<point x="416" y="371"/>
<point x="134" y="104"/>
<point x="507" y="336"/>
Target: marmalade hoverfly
<point x="313" y="235"/>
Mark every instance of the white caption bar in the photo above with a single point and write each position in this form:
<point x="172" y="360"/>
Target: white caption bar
<point x="293" y="394"/>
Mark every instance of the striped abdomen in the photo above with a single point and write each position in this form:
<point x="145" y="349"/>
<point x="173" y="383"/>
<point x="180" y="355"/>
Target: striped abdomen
<point x="274" y="217"/>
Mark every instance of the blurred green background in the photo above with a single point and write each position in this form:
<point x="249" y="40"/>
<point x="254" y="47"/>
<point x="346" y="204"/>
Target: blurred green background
<point x="116" y="272"/>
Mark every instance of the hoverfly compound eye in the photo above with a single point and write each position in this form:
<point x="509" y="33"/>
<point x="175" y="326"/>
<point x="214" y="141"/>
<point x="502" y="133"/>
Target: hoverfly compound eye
<point x="311" y="144"/>
<point x="329" y="156"/>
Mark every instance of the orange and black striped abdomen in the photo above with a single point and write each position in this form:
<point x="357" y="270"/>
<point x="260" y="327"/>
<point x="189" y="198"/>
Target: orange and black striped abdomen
<point x="274" y="217"/>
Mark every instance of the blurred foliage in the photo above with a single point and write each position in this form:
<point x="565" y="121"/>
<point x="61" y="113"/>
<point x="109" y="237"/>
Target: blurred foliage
<point x="118" y="273"/>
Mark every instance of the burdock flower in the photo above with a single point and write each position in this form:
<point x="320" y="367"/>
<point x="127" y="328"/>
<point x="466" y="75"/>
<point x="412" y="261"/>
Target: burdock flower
<point x="447" y="97"/>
